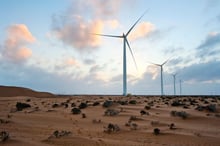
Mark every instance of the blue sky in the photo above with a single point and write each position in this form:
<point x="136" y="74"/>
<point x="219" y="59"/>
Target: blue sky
<point x="48" y="45"/>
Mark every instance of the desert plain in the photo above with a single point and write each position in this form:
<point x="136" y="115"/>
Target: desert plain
<point x="105" y="120"/>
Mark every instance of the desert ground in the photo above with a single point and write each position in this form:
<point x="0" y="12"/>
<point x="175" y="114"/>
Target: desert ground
<point x="98" y="120"/>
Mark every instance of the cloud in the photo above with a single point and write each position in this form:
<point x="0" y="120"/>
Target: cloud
<point x="75" y="26"/>
<point x="97" y="72"/>
<point x="112" y="23"/>
<point x="142" y="30"/>
<point x="77" y="33"/>
<point x="66" y="63"/>
<point x="105" y="8"/>
<point x="153" y="70"/>
<point x="208" y="71"/>
<point x="14" y="48"/>
<point x="209" y="46"/>
<point x="89" y="61"/>
<point x="212" y="40"/>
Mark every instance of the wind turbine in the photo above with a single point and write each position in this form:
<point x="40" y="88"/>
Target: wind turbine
<point x="125" y="42"/>
<point x="174" y="83"/>
<point x="161" y="74"/>
<point x="180" y="87"/>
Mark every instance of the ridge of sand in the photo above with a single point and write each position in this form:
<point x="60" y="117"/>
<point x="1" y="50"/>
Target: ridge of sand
<point x="11" y="91"/>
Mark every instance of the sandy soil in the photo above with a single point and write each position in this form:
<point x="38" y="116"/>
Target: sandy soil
<point x="36" y="125"/>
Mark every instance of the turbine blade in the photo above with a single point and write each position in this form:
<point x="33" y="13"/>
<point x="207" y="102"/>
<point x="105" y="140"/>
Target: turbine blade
<point x="106" y="35"/>
<point x="131" y="52"/>
<point x="136" y="23"/>
<point x="165" y="62"/>
<point x="155" y="64"/>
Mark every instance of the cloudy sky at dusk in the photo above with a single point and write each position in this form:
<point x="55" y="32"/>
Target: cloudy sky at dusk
<point x="48" y="45"/>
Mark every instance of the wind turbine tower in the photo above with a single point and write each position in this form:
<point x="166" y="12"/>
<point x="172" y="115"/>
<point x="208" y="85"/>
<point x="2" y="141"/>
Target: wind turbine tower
<point x="180" y="87"/>
<point x="161" y="75"/>
<point x="125" y="43"/>
<point x="174" y="83"/>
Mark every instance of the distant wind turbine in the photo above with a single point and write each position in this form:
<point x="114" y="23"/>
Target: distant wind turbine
<point x="125" y="42"/>
<point x="161" y="74"/>
<point x="180" y="87"/>
<point x="174" y="83"/>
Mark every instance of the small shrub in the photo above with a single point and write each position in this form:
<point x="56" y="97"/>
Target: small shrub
<point x="96" y="103"/>
<point x="142" y="112"/>
<point x="211" y="108"/>
<point x="2" y="121"/>
<point x="107" y="103"/>
<point x="66" y="105"/>
<point x="28" y="100"/>
<point x="95" y="121"/>
<point x="76" y="111"/>
<point x="172" y="126"/>
<point x="122" y="102"/>
<point x="62" y="133"/>
<point x="133" y="118"/>
<point x="132" y="102"/>
<point x="83" y="105"/>
<point x="181" y="114"/>
<point x="134" y="126"/>
<point x="147" y="107"/>
<point x="155" y="123"/>
<point x="156" y="131"/>
<point x="111" y="128"/>
<point x="83" y="115"/>
<point x="4" y="136"/>
<point x="73" y="105"/>
<point x="111" y="112"/>
<point x="20" y="106"/>
<point x="176" y="103"/>
<point x="55" y="105"/>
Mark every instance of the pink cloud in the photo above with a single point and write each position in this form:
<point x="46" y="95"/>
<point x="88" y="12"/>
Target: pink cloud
<point x="75" y="27"/>
<point x="78" y="34"/>
<point x="142" y="30"/>
<point x="20" y="32"/>
<point x="14" y="48"/>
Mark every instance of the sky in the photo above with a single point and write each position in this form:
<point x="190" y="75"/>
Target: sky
<point x="49" y="45"/>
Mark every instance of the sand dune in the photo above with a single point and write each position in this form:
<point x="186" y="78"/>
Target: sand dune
<point x="10" y="91"/>
<point x="37" y="124"/>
